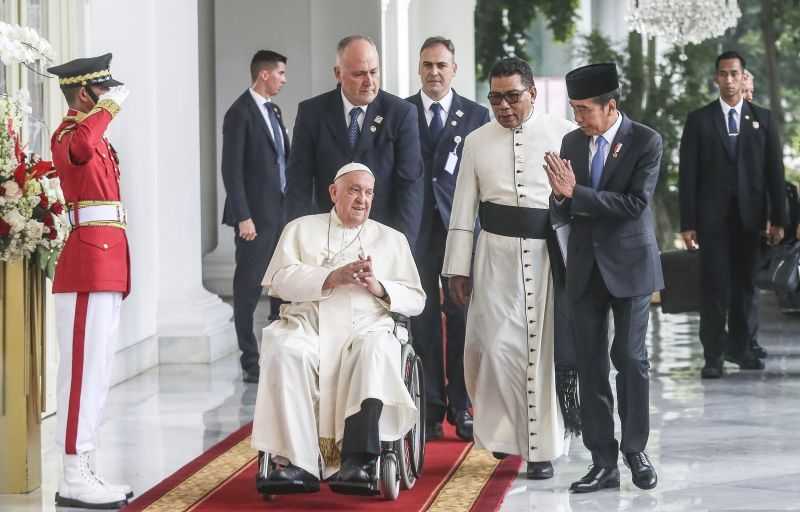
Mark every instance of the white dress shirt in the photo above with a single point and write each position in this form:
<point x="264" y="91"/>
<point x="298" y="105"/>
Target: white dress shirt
<point x="738" y="115"/>
<point x="348" y="107"/>
<point x="445" y="102"/>
<point x="260" y="101"/>
<point x="608" y="136"/>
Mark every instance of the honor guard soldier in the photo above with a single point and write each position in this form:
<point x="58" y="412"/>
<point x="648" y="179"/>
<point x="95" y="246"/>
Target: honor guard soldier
<point x="92" y="275"/>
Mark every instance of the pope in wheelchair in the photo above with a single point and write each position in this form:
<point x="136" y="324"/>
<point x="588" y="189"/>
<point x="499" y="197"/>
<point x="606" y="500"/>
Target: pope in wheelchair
<point x="340" y="393"/>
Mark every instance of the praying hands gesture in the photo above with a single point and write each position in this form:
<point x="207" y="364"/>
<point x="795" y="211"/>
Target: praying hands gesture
<point x="357" y="273"/>
<point x="560" y="174"/>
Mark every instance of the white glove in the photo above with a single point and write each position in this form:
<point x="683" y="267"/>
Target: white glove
<point x="116" y="94"/>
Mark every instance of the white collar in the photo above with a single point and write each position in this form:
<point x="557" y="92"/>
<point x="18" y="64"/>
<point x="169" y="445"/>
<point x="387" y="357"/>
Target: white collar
<point x="611" y="132"/>
<point x="726" y="107"/>
<point x="259" y="99"/>
<point x="349" y="106"/>
<point x="446" y="102"/>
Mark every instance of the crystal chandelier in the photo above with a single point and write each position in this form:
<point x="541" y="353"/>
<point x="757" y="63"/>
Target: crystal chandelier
<point x="682" y="22"/>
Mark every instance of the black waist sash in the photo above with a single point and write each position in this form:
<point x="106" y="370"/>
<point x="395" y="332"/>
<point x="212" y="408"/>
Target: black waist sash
<point x="515" y="221"/>
<point x="521" y="222"/>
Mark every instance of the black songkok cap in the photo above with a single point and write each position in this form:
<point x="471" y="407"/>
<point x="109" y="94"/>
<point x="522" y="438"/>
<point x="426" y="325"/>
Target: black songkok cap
<point x="592" y="81"/>
<point x="89" y="71"/>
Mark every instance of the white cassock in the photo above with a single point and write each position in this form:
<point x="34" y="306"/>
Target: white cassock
<point x="331" y="350"/>
<point x="508" y="353"/>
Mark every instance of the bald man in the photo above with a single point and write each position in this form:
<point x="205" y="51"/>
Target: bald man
<point x="358" y="122"/>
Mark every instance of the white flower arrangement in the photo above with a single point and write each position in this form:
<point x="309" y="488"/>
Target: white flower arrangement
<point x="22" y="45"/>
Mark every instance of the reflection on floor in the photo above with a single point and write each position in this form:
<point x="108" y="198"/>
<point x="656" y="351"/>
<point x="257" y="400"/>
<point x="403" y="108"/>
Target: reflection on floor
<point x="718" y="445"/>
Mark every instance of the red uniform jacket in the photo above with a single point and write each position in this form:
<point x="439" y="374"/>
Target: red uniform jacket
<point x="95" y="258"/>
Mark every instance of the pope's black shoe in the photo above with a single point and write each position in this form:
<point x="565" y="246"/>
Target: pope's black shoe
<point x="288" y="480"/>
<point x="539" y="470"/>
<point x="354" y="472"/>
<point x="642" y="470"/>
<point x="596" y="479"/>
<point x="463" y="422"/>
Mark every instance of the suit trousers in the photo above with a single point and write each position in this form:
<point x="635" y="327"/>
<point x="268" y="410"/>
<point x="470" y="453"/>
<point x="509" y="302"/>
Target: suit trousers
<point x="252" y="258"/>
<point x="629" y="355"/>
<point x="427" y="331"/>
<point x="728" y="259"/>
<point x="88" y="328"/>
<point x="361" y="440"/>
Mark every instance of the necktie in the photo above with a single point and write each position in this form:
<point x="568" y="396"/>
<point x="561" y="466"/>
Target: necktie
<point x="598" y="162"/>
<point x="733" y="131"/>
<point x="436" y="125"/>
<point x="277" y="138"/>
<point x="353" y="130"/>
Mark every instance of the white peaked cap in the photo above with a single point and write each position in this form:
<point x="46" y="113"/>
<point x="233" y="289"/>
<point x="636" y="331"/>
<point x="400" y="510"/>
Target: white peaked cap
<point x="351" y="167"/>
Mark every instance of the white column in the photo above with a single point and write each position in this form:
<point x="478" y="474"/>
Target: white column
<point x="453" y="19"/>
<point x="394" y="42"/>
<point x="193" y="324"/>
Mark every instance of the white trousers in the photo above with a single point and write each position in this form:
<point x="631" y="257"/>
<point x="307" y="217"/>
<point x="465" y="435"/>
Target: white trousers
<point x="87" y="326"/>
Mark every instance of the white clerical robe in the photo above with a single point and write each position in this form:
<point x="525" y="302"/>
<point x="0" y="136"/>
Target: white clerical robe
<point x="508" y="354"/>
<point x="331" y="350"/>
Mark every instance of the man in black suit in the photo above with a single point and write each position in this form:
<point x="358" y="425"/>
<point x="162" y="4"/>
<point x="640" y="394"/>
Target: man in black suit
<point x="445" y="120"/>
<point x="730" y="184"/>
<point x="603" y="183"/>
<point x="255" y="146"/>
<point x="358" y="122"/>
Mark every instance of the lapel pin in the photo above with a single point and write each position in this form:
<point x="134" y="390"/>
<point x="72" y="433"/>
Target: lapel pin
<point x="746" y="116"/>
<point x="756" y="125"/>
<point x="453" y="122"/>
<point x="373" y="128"/>
<point x="616" y="149"/>
<point x="378" y="120"/>
<point x="457" y="139"/>
<point x="459" y="113"/>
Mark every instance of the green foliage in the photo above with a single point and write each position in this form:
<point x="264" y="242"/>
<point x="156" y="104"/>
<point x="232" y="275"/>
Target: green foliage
<point x="501" y="27"/>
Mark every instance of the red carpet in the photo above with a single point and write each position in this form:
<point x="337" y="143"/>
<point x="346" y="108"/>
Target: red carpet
<point x="223" y="479"/>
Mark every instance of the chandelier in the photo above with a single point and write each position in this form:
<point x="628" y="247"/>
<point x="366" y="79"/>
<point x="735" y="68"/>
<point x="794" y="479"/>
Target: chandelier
<point x="682" y="22"/>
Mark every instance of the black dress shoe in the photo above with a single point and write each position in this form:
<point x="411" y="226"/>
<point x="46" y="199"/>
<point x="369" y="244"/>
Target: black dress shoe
<point x="499" y="455"/>
<point x="288" y="480"/>
<point x="758" y="351"/>
<point x="539" y="470"/>
<point x="354" y="472"/>
<point x="251" y="376"/>
<point x="433" y="431"/>
<point x="596" y="479"/>
<point x="711" y="371"/>
<point x="642" y="470"/>
<point x="463" y="422"/>
<point x="746" y="361"/>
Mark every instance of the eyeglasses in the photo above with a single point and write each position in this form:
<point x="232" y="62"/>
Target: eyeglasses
<point x="511" y="97"/>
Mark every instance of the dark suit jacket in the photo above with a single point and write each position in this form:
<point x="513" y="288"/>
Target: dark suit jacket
<point x="440" y="185"/>
<point x="391" y="151"/>
<point x="250" y="168"/>
<point x="709" y="172"/>
<point x="613" y="226"/>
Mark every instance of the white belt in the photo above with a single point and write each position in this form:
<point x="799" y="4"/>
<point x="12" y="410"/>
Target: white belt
<point x="99" y="214"/>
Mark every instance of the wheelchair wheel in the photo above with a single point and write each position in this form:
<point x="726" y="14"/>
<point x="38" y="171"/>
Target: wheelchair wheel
<point x="411" y="448"/>
<point x="390" y="480"/>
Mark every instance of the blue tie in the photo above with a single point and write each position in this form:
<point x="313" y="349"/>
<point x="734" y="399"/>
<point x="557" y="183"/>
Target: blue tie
<point x="277" y="138"/>
<point x="733" y="131"/>
<point x="353" y="131"/>
<point x="598" y="162"/>
<point x="436" y="125"/>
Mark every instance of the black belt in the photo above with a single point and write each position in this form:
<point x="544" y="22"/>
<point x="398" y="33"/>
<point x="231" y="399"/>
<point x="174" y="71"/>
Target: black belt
<point x="515" y="221"/>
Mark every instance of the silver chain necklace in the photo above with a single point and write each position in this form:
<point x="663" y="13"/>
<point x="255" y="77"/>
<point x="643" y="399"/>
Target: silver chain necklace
<point x="328" y="260"/>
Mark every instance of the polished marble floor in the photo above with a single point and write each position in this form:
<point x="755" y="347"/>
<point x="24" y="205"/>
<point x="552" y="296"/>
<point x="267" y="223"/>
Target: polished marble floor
<point x="732" y="444"/>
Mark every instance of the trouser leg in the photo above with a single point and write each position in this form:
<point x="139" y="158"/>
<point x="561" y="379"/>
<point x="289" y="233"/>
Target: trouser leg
<point x="715" y="272"/>
<point x="361" y="439"/>
<point x="86" y="324"/>
<point x="252" y="258"/>
<point x="597" y="401"/>
<point x="455" y="314"/>
<point x="743" y="315"/>
<point x="629" y="355"/>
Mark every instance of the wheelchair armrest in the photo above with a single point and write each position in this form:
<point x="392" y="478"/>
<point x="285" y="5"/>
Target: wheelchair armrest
<point x="402" y="327"/>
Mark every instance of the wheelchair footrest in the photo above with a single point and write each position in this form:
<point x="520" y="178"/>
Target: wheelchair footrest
<point x="355" y="488"/>
<point x="294" y="487"/>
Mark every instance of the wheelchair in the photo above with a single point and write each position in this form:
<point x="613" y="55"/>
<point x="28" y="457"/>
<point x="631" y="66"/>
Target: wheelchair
<point x="400" y="462"/>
